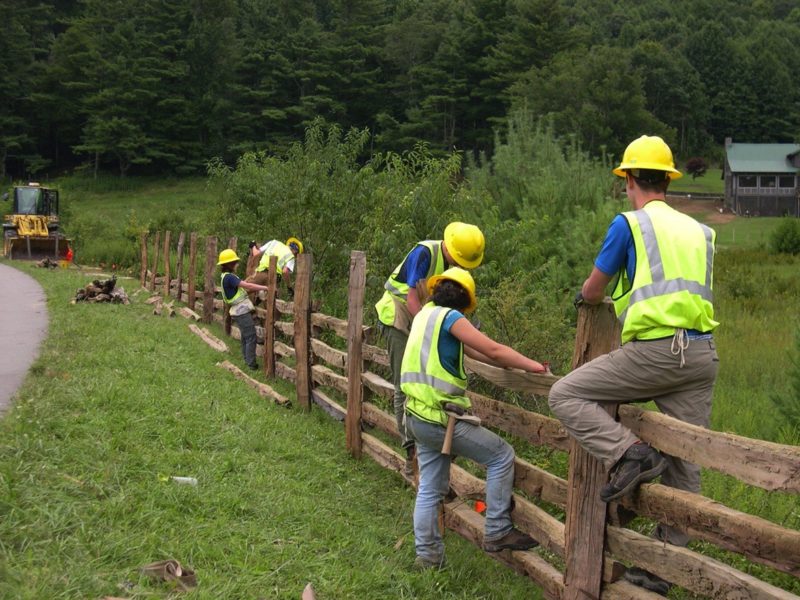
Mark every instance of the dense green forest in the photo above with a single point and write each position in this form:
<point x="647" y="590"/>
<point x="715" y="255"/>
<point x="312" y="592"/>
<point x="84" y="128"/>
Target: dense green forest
<point x="163" y="86"/>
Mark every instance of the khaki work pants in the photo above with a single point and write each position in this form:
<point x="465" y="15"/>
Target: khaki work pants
<point x="640" y="371"/>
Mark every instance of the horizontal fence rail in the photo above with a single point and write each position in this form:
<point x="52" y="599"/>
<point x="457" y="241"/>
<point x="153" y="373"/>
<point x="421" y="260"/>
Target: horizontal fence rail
<point x="336" y="365"/>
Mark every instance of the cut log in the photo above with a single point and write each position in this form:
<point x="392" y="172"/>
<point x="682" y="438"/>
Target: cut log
<point x="262" y="388"/>
<point x="209" y="338"/>
<point x="188" y="313"/>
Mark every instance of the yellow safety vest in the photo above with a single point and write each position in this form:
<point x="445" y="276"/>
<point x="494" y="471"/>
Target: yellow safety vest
<point x="672" y="284"/>
<point x="239" y="296"/>
<point x="397" y="291"/>
<point x="279" y="249"/>
<point x="424" y="380"/>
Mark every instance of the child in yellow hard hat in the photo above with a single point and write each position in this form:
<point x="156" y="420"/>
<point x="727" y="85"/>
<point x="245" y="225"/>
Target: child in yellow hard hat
<point x="241" y="308"/>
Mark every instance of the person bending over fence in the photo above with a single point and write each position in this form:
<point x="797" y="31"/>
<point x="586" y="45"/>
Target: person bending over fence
<point x="434" y="381"/>
<point x="241" y="309"/>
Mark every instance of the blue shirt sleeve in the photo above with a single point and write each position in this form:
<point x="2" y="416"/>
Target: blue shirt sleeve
<point x="618" y="249"/>
<point x="415" y="266"/>
<point x="230" y="285"/>
<point x="451" y="318"/>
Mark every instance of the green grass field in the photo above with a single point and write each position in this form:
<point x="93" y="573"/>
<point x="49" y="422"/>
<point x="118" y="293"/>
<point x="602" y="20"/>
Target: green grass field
<point x="119" y="397"/>
<point x="710" y="183"/>
<point x="104" y="217"/>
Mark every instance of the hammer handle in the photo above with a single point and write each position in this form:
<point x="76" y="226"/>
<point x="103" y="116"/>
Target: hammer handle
<point x="448" y="434"/>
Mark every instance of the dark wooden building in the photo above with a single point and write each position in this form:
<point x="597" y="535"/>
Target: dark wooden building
<point x="762" y="179"/>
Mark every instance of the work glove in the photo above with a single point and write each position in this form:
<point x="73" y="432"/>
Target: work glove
<point x="578" y="300"/>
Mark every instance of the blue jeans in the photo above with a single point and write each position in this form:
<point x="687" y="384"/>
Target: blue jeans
<point x="476" y="443"/>
<point x="247" y="329"/>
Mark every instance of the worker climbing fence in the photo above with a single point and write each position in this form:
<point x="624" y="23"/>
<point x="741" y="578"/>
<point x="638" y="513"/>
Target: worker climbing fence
<point x="335" y="364"/>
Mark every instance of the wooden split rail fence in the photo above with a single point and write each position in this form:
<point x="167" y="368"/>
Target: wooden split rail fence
<point x="592" y="542"/>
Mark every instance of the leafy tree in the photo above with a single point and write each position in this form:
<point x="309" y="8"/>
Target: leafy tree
<point x="595" y="95"/>
<point x="23" y="42"/>
<point x="696" y="166"/>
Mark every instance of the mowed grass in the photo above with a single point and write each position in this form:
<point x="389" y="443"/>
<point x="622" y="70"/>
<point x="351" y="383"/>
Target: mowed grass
<point x="119" y="397"/>
<point x="710" y="183"/>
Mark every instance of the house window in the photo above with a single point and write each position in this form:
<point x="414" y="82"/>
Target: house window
<point x="747" y="181"/>
<point x="786" y="181"/>
<point x="768" y="181"/>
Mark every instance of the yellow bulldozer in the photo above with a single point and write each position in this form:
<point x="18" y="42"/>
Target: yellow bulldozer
<point x="32" y="229"/>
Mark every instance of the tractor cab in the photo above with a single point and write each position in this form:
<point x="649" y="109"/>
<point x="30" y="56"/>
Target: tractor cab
<point x="31" y="230"/>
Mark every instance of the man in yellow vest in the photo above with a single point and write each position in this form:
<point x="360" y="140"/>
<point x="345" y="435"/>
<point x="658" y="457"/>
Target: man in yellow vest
<point x="664" y="261"/>
<point x="462" y="246"/>
<point x="286" y="254"/>
<point x="434" y="379"/>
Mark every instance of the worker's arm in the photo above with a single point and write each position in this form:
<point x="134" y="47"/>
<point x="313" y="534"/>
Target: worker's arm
<point x="594" y="288"/>
<point x="287" y="277"/>
<point x="476" y="345"/>
<point x="412" y="301"/>
<point x="253" y="287"/>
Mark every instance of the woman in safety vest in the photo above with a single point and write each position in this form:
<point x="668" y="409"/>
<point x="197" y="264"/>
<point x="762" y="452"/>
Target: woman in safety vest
<point x="235" y="296"/>
<point x="433" y="378"/>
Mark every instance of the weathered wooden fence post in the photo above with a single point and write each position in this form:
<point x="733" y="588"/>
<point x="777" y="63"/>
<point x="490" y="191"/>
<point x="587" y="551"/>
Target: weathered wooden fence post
<point x="597" y="334"/>
<point x="156" y="247"/>
<point x="143" y="271"/>
<point x="355" y="363"/>
<point x="179" y="266"/>
<point x="190" y="286"/>
<point x="302" y="329"/>
<point x="269" y="318"/>
<point x="209" y="287"/>
<point x="167" y="274"/>
<point x="226" y="309"/>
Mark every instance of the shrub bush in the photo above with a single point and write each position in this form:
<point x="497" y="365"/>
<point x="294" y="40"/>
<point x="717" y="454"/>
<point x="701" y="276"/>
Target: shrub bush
<point x="785" y="239"/>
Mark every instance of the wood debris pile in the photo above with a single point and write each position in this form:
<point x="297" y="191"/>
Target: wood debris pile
<point x="102" y="291"/>
<point x="47" y="263"/>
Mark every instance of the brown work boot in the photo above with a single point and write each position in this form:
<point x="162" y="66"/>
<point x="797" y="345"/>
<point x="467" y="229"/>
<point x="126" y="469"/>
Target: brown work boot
<point x="638" y="465"/>
<point x="513" y="540"/>
<point x="423" y="564"/>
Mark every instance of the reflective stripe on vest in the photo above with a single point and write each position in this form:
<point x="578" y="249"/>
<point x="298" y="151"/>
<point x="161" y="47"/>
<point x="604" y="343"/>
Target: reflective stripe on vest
<point x="398" y="290"/>
<point x="239" y="296"/>
<point x="424" y="380"/>
<point x="672" y="286"/>
<point x="275" y="248"/>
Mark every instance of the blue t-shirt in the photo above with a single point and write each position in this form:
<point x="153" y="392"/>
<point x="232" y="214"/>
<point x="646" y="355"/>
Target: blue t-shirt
<point x="450" y="346"/>
<point x="617" y="250"/>
<point x="230" y="285"/>
<point x="415" y="266"/>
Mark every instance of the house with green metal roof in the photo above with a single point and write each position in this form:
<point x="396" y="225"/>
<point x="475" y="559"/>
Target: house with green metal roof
<point x="762" y="179"/>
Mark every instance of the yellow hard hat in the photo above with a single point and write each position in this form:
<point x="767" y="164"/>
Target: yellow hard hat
<point x="227" y="256"/>
<point x="465" y="243"/>
<point x="461" y="277"/>
<point x="298" y="243"/>
<point x="648" y="152"/>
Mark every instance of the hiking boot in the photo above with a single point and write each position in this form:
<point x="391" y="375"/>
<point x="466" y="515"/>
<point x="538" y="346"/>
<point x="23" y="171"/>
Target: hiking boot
<point x="647" y="580"/>
<point x="408" y="466"/>
<point x="423" y="564"/>
<point x="513" y="540"/>
<point x="638" y="465"/>
<point x="253" y="367"/>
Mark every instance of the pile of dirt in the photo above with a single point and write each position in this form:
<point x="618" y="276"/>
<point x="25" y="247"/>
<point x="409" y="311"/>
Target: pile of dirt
<point x="102" y="291"/>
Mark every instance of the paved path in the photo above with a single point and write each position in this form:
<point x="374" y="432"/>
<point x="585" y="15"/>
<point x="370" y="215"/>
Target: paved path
<point x="23" y="325"/>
